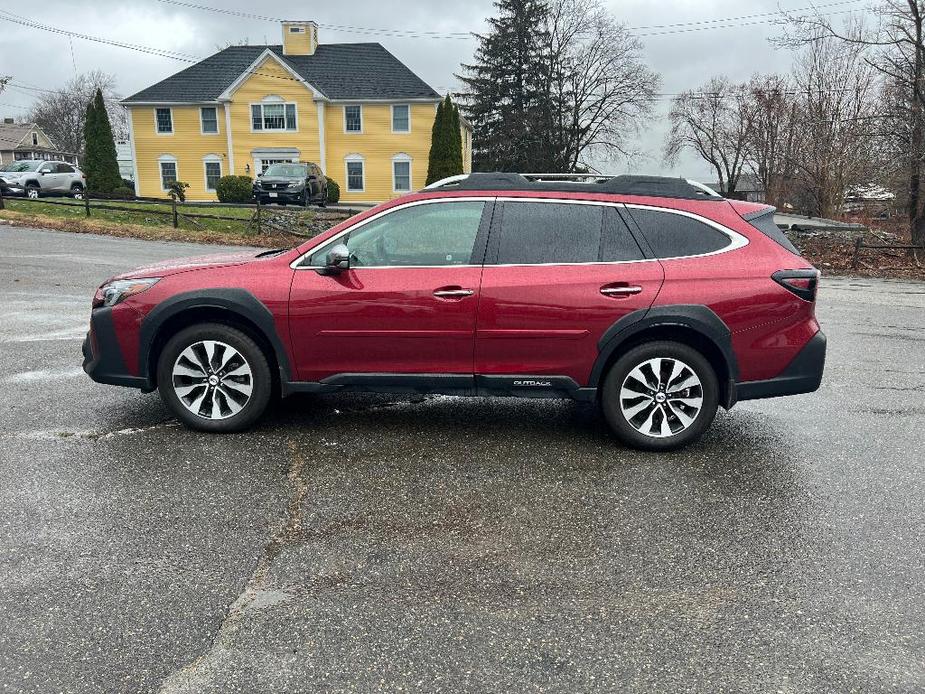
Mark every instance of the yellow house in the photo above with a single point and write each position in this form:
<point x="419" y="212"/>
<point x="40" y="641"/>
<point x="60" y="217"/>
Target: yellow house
<point x="352" y="108"/>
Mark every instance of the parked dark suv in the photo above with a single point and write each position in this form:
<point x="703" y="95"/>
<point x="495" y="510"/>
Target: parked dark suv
<point x="653" y="297"/>
<point x="300" y="183"/>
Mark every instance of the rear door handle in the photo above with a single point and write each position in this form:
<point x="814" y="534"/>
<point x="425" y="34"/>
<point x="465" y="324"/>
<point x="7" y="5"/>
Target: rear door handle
<point x="453" y="293"/>
<point x="620" y="289"/>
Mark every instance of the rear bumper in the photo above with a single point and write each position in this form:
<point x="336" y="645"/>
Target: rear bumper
<point x="102" y="357"/>
<point x="802" y="375"/>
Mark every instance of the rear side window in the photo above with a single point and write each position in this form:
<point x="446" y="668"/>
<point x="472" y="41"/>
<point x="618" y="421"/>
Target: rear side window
<point x="65" y="168"/>
<point x="617" y="242"/>
<point x="673" y="235"/>
<point x="546" y="232"/>
<point x="765" y="224"/>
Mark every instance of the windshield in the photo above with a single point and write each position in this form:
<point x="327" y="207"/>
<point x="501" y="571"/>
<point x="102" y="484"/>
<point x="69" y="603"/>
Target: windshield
<point x="14" y="166"/>
<point x="287" y="170"/>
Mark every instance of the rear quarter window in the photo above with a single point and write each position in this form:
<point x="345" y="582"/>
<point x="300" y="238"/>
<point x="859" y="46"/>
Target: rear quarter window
<point x="765" y="224"/>
<point x="674" y="235"/>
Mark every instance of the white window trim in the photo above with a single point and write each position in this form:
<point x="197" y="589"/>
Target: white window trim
<point x="166" y="159"/>
<point x="404" y="158"/>
<point x="353" y="132"/>
<point x="172" y="127"/>
<point x="211" y="159"/>
<point x="352" y="159"/>
<point x="272" y="102"/>
<point x="201" y="126"/>
<point x="401" y="132"/>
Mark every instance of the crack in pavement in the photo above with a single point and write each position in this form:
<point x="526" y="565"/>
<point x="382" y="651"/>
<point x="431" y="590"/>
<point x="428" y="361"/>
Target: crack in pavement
<point x="191" y="678"/>
<point x="88" y="435"/>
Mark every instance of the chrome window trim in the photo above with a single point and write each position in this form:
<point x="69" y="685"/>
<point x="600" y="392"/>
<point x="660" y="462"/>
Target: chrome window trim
<point x="736" y="239"/>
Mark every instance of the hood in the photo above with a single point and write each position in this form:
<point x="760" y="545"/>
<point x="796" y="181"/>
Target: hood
<point x="177" y="265"/>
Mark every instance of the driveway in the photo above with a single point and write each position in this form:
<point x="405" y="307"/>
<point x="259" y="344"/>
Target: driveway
<point x="371" y="543"/>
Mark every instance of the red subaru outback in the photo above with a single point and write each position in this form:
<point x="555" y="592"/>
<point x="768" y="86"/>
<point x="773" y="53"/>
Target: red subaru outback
<point x="653" y="297"/>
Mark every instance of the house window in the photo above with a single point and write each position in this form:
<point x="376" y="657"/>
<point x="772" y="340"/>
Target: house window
<point x="168" y="173"/>
<point x="401" y="118"/>
<point x="164" y="118"/>
<point x="355" y="182"/>
<point x="273" y="117"/>
<point x="209" y="118"/>
<point x="213" y="173"/>
<point x="296" y="30"/>
<point x="401" y="174"/>
<point x="35" y="140"/>
<point x="353" y="119"/>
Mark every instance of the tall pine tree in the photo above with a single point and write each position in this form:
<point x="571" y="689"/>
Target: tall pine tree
<point x="506" y="99"/>
<point x="445" y="143"/>
<point x="100" y="163"/>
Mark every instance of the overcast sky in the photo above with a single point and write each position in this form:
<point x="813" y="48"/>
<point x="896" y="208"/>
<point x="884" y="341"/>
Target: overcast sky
<point x="36" y="57"/>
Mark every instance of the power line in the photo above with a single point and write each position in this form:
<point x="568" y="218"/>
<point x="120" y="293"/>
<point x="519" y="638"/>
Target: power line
<point x="776" y="13"/>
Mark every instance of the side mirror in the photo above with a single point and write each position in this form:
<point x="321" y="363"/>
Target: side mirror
<point x="338" y="259"/>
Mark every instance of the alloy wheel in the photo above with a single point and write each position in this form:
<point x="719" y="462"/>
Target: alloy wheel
<point x="661" y="397"/>
<point x="32" y="193"/>
<point x="212" y="379"/>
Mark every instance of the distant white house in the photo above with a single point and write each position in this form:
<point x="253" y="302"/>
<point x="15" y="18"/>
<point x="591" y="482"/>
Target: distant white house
<point x="124" y="157"/>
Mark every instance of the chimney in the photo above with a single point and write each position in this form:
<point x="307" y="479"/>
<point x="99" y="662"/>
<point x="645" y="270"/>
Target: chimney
<point x="300" y="38"/>
<point x="8" y="121"/>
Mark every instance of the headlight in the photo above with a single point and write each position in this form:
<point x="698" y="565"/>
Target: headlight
<point x="112" y="293"/>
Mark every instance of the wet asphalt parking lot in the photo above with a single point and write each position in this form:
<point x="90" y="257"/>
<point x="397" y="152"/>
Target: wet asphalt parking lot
<point x="375" y="543"/>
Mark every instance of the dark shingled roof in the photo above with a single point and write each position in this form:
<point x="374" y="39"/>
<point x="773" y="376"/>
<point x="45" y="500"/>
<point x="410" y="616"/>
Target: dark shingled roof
<point x="337" y="70"/>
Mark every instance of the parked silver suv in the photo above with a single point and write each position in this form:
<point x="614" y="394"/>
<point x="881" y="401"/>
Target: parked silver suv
<point x="36" y="177"/>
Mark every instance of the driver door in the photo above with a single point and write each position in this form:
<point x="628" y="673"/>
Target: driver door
<point x="407" y="304"/>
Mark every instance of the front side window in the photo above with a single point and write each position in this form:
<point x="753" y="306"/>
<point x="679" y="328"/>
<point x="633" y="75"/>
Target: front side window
<point x="401" y="174"/>
<point x="209" y="116"/>
<point x="435" y="234"/>
<point x="213" y="173"/>
<point x="674" y="235"/>
<point x="65" y="168"/>
<point x="164" y="118"/>
<point x="355" y="176"/>
<point x="273" y="117"/>
<point x="401" y="118"/>
<point x="353" y="119"/>
<point x="168" y="173"/>
<point x="533" y="233"/>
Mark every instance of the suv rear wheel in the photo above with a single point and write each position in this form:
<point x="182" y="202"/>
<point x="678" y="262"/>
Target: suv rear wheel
<point x="660" y="396"/>
<point x="214" y="378"/>
<point x="77" y="191"/>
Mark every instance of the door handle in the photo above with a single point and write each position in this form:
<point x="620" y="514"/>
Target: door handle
<point x="453" y="293"/>
<point x="621" y="289"/>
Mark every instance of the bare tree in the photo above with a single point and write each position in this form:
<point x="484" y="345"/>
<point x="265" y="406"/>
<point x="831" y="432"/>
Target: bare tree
<point x="716" y="123"/>
<point x="3" y="81"/>
<point x="773" y="138"/>
<point x="61" y="113"/>
<point x="893" y="43"/>
<point x="836" y="91"/>
<point x="599" y="89"/>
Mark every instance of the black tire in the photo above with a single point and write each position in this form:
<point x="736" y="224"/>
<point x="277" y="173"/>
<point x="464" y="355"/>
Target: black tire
<point x="323" y="199"/>
<point x="306" y="198"/>
<point x="33" y="191"/>
<point x="261" y="378"/>
<point x="77" y="191"/>
<point x="627" y="432"/>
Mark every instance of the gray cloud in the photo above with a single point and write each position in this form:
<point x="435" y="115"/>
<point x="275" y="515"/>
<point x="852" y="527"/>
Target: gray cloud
<point x="685" y="60"/>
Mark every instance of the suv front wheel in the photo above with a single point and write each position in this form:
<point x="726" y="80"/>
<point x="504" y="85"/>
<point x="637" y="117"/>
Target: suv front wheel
<point x="214" y="378"/>
<point x="660" y="396"/>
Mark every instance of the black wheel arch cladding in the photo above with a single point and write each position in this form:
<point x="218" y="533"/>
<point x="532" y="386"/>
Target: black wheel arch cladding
<point x="695" y="317"/>
<point x="234" y="301"/>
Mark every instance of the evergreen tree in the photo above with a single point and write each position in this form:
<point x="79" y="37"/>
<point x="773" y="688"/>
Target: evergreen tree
<point x="445" y="143"/>
<point x="507" y="99"/>
<point x="100" y="163"/>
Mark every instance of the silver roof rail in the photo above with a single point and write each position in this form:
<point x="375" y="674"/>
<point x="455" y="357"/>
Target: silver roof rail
<point x="447" y="181"/>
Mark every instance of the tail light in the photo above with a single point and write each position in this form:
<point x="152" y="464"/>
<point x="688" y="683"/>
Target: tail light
<point x="803" y="283"/>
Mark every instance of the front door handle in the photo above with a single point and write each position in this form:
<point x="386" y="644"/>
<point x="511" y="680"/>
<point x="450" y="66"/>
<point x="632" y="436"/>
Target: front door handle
<point x="619" y="289"/>
<point x="453" y="293"/>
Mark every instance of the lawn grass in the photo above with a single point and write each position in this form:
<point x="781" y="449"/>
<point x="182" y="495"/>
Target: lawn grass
<point x="71" y="216"/>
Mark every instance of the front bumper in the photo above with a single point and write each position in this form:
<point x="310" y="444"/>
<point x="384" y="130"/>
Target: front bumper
<point x="277" y="195"/>
<point x="802" y="375"/>
<point x="102" y="357"/>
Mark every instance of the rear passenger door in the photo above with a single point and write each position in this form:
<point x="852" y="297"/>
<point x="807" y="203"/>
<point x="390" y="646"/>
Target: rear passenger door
<point x="558" y="274"/>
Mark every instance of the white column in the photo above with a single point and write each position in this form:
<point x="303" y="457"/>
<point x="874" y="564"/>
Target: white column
<point x="322" y="145"/>
<point x="230" y="142"/>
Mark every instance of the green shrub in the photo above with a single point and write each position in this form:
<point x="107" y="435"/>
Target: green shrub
<point x="177" y="190"/>
<point x="233" y="189"/>
<point x="128" y="183"/>
<point x="123" y="193"/>
<point x="333" y="190"/>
